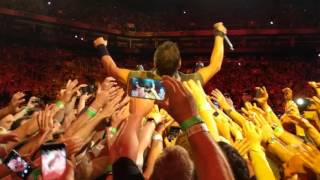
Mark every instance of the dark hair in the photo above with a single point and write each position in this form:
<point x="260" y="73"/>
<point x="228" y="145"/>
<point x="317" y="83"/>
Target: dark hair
<point x="237" y="163"/>
<point x="167" y="58"/>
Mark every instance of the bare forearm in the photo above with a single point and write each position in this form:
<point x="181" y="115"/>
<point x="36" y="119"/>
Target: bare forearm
<point x="145" y="136"/>
<point x="34" y="143"/>
<point x="215" y="60"/>
<point x="82" y="121"/>
<point x="129" y="139"/>
<point x="261" y="166"/>
<point x="156" y="149"/>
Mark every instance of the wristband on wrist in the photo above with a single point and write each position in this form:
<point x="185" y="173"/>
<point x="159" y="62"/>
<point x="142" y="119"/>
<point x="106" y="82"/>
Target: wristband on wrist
<point x="278" y="131"/>
<point x="113" y="130"/>
<point x="157" y="137"/>
<point x="26" y="110"/>
<point x="60" y="104"/>
<point x="196" y="129"/>
<point x="219" y="33"/>
<point x="102" y="50"/>
<point x="91" y="112"/>
<point x="109" y="169"/>
<point x="190" y="122"/>
<point x="36" y="173"/>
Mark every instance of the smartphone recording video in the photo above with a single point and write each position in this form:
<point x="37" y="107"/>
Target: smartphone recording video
<point x="18" y="165"/>
<point x="53" y="160"/>
<point x="146" y="88"/>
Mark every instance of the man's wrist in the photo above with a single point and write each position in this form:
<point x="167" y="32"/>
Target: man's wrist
<point x="102" y="50"/>
<point x="218" y="33"/>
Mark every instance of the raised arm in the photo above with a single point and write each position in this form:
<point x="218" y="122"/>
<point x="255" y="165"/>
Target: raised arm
<point x="209" y="160"/>
<point x="109" y="65"/>
<point x="217" y="54"/>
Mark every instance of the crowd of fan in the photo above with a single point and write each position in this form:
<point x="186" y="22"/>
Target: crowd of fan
<point x="113" y="15"/>
<point x="41" y="69"/>
<point x="110" y="135"/>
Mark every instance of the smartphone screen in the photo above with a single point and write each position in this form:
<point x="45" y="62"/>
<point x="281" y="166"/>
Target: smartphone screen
<point x="18" y="165"/>
<point x="146" y="88"/>
<point x="53" y="160"/>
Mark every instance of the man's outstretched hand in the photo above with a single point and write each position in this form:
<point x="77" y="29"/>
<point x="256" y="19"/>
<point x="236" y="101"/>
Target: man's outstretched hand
<point x="220" y="27"/>
<point x="100" y="41"/>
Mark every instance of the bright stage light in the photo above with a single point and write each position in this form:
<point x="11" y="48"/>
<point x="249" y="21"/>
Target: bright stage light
<point x="300" y="101"/>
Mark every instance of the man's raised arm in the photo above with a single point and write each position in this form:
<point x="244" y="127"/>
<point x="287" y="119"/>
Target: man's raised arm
<point x="109" y="65"/>
<point x="217" y="54"/>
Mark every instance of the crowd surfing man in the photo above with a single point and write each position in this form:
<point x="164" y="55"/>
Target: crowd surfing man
<point x="167" y="61"/>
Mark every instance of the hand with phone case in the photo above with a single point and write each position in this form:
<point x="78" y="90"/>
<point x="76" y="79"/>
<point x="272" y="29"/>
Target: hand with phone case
<point x="53" y="161"/>
<point x="146" y="88"/>
<point x="18" y="165"/>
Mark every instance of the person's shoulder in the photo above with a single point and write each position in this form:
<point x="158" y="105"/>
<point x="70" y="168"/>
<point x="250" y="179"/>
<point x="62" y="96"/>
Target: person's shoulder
<point x="141" y="74"/>
<point x="192" y="76"/>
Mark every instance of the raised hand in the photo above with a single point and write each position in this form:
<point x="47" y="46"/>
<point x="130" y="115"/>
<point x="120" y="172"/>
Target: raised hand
<point x="316" y="101"/>
<point x="45" y="120"/>
<point x="155" y="114"/>
<point x="253" y="134"/>
<point x="220" y="27"/>
<point x="70" y="90"/>
<point x="181" y="103"/>
<point x="315" y="86"/>
<point x="287" y="93"/>
<point x="104" y="95"/>
<point x="219" y="97"/>
<point x="120" y="115"/>
<point x="113" y="105"/>
<point x="100" y="41"/>
<point x="33" y="102"/>
<point x="263" y="96"/>
<point x="311" y="157"/>
<point x="16" y="101"/>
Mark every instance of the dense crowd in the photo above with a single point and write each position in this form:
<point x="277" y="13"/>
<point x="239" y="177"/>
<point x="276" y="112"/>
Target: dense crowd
<point x="106" y="128"/>
<point x="246" y="132"/>
<point x="71" y="118"/>
<point x="41" y="69"/>
<point x="162" y="17"/>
